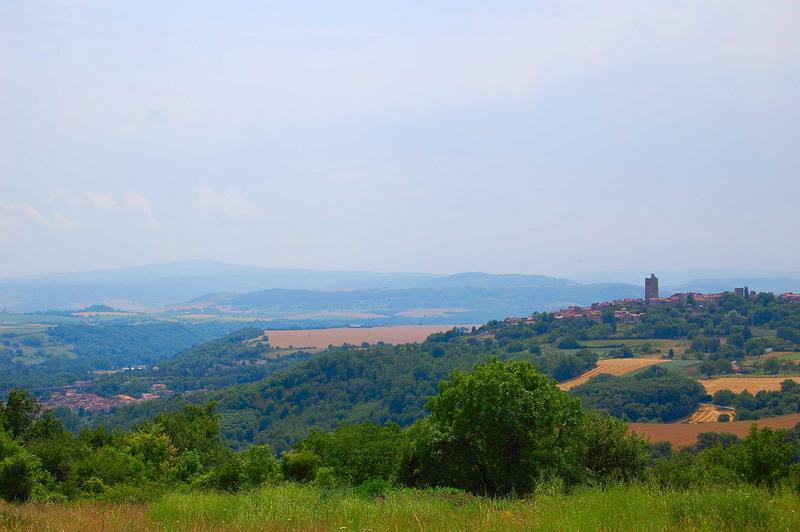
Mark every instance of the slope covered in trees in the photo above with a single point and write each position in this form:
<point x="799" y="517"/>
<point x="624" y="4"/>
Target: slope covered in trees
<point x="60" y="355"/>
<point x="379" y="383"/>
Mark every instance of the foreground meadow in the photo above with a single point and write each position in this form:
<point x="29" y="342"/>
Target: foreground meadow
<point x="296" y="507"/>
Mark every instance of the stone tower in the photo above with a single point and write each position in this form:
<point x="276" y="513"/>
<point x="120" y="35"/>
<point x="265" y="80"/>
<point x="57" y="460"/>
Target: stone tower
<point x="651" y="287"/>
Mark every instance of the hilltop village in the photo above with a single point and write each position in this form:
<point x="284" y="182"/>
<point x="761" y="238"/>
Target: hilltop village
<point x="631" y="310"/>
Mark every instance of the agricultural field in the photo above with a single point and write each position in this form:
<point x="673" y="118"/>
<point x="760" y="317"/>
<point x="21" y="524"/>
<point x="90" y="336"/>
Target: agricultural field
<point x="783" y="356"/>
<point x="678" y="346"/>
<point x="708" y="413"/>
<point x="686" y="433"/>
<point x="612" y="366"/>
<point x="751" y="384"/>
<point x="321" y="338"/>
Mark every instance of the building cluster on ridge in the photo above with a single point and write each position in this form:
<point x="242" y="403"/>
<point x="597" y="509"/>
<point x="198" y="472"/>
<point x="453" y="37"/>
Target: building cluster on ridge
<point x="74" y="398"/>
<point x="630" y="310"/>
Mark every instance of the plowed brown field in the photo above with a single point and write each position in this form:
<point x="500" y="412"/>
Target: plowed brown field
<point x="686" y="433"/>
<point x="612" y="366"/>
<point x="401" y="334"/>
<point x="740" y="384"/>
<point x="707" y="413"/>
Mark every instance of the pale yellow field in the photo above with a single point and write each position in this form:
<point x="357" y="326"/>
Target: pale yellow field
<point x="708" y="413"/>
<point x="401" y="334"/>
<point x="740" y="384"/>
<point x="611" y="366"/>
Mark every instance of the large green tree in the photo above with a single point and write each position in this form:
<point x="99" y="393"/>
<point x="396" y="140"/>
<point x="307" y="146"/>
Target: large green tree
<point x="496" y="430"/>
<point x="19" y="412"/>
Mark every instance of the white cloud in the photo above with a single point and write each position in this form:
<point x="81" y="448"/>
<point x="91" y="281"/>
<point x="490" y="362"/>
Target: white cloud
<point x="230" y="204"/>
<point x="128" y="203"/>
<point x="64" y="209"/>
<point x="135" y="203"/>
<point x="14" y="216"/>
<point x="101" y="202"/>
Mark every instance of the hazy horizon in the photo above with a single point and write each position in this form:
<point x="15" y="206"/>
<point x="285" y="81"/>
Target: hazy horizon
<point x="551" y="138"/>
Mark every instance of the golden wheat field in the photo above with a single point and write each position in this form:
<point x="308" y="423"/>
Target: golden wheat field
<point x="740" y="384"/>
<point x="611" y="366"/>
<point x="319" y="338"/>
<point x="708" y="413"/>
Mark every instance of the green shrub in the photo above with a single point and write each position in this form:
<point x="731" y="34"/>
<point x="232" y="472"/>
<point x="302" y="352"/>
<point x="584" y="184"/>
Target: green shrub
<point x="259" y="465"/>
<point x="94" y="486"/>
<point x="18" y="476"/>
<point x="326" y="478"/>
<point x="188" y="465"/>
<point x="226" y="475"/>
<point x="376" y="487"/>
<point x="300" y="466"/>
<point x="357" y="453"/>
<point x="111" y="465"/>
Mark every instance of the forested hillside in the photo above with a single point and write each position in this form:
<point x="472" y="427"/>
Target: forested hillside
<point x="35" y="357"/>
<point x="378" y="383"/>
<point x="240" y="357"/>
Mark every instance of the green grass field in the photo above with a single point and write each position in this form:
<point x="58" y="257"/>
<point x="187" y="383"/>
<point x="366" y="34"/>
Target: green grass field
<point x="294" y="507"/>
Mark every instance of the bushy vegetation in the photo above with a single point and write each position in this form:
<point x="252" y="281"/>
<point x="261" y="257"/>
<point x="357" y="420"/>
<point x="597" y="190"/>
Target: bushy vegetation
<point x="502" y="429"/>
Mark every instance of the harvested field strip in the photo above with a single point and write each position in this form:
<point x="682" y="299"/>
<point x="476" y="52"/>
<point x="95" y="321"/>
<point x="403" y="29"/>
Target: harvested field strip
<point x="320" y="338"/>
<point x="740" y="384"/>
<point x="611" y="366"/>
<point x="686" y="433"/>
<point x="708" y="413"/>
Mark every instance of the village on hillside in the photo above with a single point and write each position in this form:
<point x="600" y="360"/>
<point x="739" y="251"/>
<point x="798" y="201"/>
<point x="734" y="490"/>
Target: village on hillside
<point x="631" y="310"/>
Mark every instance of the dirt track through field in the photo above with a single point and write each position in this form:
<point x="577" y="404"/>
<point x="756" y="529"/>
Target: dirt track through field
<point x="740" y="384"/>
<point x="611" y="366"/>
<point x="686" y="433"/>
<point x="320" y="338"/>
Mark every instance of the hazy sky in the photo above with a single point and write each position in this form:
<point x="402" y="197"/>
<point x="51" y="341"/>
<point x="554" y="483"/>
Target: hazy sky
<point x="537" y="137"/>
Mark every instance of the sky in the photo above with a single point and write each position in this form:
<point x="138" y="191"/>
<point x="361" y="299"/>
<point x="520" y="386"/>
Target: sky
<point x="532" y="137"/>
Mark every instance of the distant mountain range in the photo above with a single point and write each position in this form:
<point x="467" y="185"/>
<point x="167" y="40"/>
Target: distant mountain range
<point x="323" y="297"/>
<point x="165" y="284"/>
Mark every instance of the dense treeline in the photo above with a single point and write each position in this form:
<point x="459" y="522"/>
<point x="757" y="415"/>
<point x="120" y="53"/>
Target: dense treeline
<point x="503" y="428"/>
<point x="654" y="394"/>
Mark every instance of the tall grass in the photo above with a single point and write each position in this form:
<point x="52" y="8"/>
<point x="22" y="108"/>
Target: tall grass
<point x="296" y="507"/>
